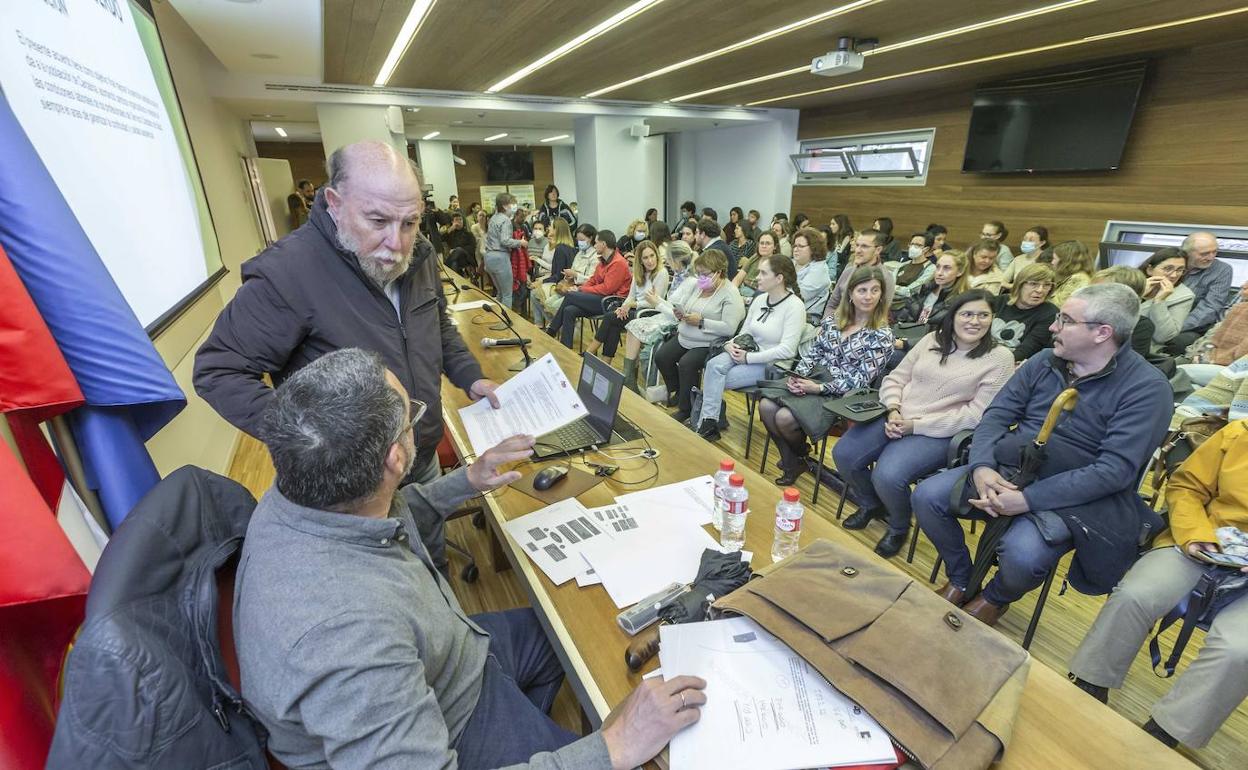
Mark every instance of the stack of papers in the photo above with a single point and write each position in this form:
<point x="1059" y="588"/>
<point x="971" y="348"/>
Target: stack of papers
<point x="766" y="708"/>
<point x="692" y="499"/>
<point x="533" y="403"/>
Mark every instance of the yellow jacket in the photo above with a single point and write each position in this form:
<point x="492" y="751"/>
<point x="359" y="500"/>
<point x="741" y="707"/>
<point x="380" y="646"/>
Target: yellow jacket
<point x="1210" y="489"/>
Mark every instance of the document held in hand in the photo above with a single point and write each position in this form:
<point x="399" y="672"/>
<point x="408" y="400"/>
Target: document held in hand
<point x="535" y="401"/>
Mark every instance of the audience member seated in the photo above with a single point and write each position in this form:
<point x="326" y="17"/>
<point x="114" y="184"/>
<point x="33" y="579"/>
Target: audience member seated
<point x="1225" y="394"/>
<point x="688" y="233"/>
<point x="1073" y="266"/>
<point x="892" y="247"/>
<point x="1023" y="316"/>
<point x="709" y="213"/>
<point x="541" y="248"/>
<point x="521" y="263"/>
<point x="735" y="215"/>
<point x="868" y="251"/>
<point x="981" y="266"/>
<point x="711" y="309"/>
<point x="649" y="329"/>
<point x="940" y="239"/>
<point x="782" y="231"/>
<point x="942" y="386"/>
<point x="637" y="232"/>
<point x="688" y="211"/>
<point x="1142" y="334"/>
<point x="754" y="217"/>
<point x="774" y="322"/>
<point x="1208" y="491"/>
<point x="927" y="305"/>
<point x="554" y="208"/>
<point x="353" y="651"/>
<point x="563" y="255"/>
<point x="850" y="352"/>
<point x="566" y="279"/>
<point x="994" y="230"/>
<point x="741" y="248"/>
<point x="649" y="285"/>
<point x="1085" y="495"/>
<point x="652" y="215"/>
<point x="918" y="270"/>
<point x="456" y="236"/>
<point x="746" y="280"/>
<point x="842" y="241"/>
<point x="1210" y="282"/>
<point x="708" y="238"/>
<point x="499" y="241"/>
<point x="660" y="235"/>
<point x="799" y="221"/>
<point x="1225" y="342"/>
<point x="1033" y="245"/>
<point x="611" y="278"/>
<point x="1166" y="301"/>
<point x="809" y="253"/>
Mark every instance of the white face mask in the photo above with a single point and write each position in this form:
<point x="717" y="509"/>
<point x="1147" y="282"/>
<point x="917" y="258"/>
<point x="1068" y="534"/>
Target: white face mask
<point x="915" y="251"/>
<point x="582" y="245"/>
<point x="1027" y="246"/>
<point x="639" y="235"/>
<point x="538" y="235"/>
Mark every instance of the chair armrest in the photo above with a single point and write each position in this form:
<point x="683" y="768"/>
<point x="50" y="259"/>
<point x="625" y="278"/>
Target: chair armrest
<point x="959" y="446"/>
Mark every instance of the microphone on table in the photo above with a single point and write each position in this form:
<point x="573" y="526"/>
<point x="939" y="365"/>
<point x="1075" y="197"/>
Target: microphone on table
<point x="493" y="342"/>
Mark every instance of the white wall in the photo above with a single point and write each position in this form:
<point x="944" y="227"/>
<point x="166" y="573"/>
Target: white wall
<point x="681" y="173"/>
<point x="343" y="124"/>
<point x="618" y="176"/>
<point x="564" y="160"/>
<point x="438" y="169"/>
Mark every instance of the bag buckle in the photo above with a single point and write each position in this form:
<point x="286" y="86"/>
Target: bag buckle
<point x="953" y="621"/>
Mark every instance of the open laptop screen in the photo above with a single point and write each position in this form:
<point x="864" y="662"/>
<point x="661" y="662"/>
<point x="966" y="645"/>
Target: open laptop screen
<point x="600" y="388"/>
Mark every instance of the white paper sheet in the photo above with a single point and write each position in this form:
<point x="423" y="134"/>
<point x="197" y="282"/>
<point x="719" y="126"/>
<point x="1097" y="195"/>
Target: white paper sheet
<point x="554" y="536"/>
<point x="534" y="402"/>
<point x="693" y="498"/>
<point x="766" y="708"/>
<point x="475" y="304"/>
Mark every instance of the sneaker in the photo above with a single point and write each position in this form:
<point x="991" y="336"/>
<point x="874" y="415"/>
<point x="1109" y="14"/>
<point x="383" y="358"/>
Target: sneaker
<point x="709" y="430"/>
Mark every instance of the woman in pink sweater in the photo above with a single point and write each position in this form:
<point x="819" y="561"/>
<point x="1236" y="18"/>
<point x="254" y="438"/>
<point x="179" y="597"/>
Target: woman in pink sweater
<point x="942" y="386"/>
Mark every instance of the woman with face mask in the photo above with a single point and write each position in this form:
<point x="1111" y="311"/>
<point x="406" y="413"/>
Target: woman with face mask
<point x="942" y="386"/>
<point x="544" y="301"/>
<point x="1034" y="242"/>
<point x="706" y="309"/>
<point x="637" y="232"/>
<point x="648" y="287"/>
<point x="852" y="348"/>
<point x="541" y="249"/>
<point x="773" y="325"/>
<point x="499" y="242"/>
<point x="919" y="268"/>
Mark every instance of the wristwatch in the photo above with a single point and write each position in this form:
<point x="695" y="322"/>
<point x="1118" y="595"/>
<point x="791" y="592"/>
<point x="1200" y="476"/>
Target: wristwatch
<point x="701" y="323"/>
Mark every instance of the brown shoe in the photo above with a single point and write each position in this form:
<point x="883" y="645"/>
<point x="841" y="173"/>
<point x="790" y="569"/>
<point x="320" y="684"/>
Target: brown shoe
<point x="985" y="611"/>
<point x="951" y="593"/>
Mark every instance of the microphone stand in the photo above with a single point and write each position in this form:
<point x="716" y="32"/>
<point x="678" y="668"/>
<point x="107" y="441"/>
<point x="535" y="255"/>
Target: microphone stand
<point x="519" y="366"/>
<point x="446" y="278"/>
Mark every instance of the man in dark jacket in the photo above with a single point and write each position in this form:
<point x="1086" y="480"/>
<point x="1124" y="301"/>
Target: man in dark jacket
<point x="1085" y="497"/>
<point x="358" y="274"/>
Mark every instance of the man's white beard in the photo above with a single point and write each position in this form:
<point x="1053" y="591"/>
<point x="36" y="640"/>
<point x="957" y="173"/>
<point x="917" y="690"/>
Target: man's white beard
<point x="370" y="263"/>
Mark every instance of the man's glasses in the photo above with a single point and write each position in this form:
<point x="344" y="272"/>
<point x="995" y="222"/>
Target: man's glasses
<point x="1065" y="320"/>
<point x="417" y="411"/>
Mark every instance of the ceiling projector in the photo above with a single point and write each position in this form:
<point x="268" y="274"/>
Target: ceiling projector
<point x="843" y="61"/>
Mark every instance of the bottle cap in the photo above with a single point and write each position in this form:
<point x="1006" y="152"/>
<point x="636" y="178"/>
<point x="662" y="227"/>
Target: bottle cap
<point x="727" y="464"/>
<point x="791" y="495"/>
<point x="736" y="480"/>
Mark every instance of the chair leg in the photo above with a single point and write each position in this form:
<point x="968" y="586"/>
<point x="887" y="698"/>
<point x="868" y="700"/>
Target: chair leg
<point x="914" y="543"/>
<point x="762" y="466"/>
<point x="749" y="430"/>
<point x="935" y="569"/>
<point x="973" y="523"/>
<point x="985" y="553"/>
<point x="1035" y="615"/>
<point x="823" y="449"/>
<point x="840" y="507"/>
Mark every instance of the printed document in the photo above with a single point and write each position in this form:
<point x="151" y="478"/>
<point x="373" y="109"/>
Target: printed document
<point x="534" y="402"/>
<point x="766" y="708"/>
<point x="693" y="498"/>
<point x="554" y="536"/>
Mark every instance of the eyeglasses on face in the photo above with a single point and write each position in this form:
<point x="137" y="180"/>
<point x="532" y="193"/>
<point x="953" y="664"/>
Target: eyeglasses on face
<point x="1173" y="269"/>
<point x="1065" y="320"/>
<point x="417" y="411"/>
<point x="1033" y="285"/>
<point x="974" y="315"/>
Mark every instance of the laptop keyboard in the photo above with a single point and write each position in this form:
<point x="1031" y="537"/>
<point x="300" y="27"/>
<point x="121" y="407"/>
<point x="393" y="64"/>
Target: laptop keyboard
<point x="573" y="435"/>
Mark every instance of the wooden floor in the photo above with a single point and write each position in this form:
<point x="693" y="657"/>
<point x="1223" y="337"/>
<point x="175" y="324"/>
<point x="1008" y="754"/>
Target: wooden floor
<point x="1065" y="620"/>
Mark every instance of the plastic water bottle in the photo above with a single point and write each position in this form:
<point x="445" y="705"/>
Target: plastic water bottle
<point x="736" y="507"/>
<point x="726" y="467"/>
<point x="788" y="524"/>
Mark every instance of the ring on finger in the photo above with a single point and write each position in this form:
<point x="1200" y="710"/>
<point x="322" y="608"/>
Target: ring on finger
<point x="683" y="705"/>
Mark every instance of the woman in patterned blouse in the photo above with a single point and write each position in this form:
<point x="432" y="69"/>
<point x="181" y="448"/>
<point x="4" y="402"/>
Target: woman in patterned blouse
<point x="852" y="347"/>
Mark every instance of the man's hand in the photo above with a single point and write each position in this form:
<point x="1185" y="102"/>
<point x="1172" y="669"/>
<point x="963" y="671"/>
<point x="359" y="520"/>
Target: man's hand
<point x="483" y="474"/>
<point x="484" y="389"/>
<point x="621" y="312"/>
<point x="638" y="729"/>
<point x="997" y="497"/>
<point x="569" y="274"/>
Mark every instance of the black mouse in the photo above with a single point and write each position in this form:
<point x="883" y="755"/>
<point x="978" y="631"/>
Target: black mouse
<point x="548" y="477"/>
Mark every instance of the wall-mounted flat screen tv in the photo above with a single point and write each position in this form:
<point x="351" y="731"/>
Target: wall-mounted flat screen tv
<point x="509" y="166"/>
<point x="1073" y="120"/>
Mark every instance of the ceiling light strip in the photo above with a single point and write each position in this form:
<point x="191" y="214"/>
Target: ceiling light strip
<point x="496" y="136"/>
<point x="1012" y="54"/>
<point x="430" y="135"/>
<point x="641" y="6"/>
<point x="280" y="131"/>
<point x="407" y="33"/>
<point x="554" y="138"/>
<point x="896" y="46"/>
<point x="778" y="31"/>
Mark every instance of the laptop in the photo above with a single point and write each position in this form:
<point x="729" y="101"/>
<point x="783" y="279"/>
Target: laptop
<point x="601" y="388"/>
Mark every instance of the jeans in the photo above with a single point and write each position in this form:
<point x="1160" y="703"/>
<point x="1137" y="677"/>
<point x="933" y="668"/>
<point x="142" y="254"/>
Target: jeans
<point x="1202" y="374"/>
<point x="722" y="374"/>
<point x="575" y="305"/>
<point x="429" y="523"/>
<point x="680" y="368"/>
<point x="511" y="721"/>
<point x="898" y="463"/>
<point x="1024" y="557"/>
<point x="499" y="268"/>
<point x="537" y="309"/>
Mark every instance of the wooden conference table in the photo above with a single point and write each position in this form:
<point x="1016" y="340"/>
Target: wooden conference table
<point x="1058" y="725"/>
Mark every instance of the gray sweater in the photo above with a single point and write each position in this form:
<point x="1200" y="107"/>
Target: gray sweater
<point x="353" y="651"/>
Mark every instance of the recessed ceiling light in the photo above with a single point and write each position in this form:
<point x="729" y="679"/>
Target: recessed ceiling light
<point x="265" y="56"/>
<point x="555" y="138"/>
<point x="895" y="46"/>
<point x="1012" y="54"/>
<point x="407" y="33"/>
<point x="413" y="109"/>
<point x="280" y="131"/>
<point x="623" y="16"/>
<point x="496" y="136"/>
<point x="430" y="135"/>
<point x="457" y="122"/>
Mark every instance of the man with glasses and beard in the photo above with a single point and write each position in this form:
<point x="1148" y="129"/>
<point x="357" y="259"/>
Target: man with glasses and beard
<point x="358" y="274"/>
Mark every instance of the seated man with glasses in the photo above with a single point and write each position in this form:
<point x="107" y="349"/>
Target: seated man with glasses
<point x="1084" y="493"/>
<point x="352" y="648"/>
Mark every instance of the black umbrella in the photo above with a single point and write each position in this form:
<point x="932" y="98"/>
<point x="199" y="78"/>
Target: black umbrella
<point x="719" y="574"/>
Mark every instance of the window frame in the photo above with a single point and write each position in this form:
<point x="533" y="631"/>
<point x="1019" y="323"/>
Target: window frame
<point x="855" y="146"/>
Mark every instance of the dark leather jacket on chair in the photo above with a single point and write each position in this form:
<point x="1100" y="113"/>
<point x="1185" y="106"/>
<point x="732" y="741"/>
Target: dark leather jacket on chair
<point x="145" y="685"/>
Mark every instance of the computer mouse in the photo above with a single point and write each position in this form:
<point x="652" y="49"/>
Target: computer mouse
<point x="548" y="477"/>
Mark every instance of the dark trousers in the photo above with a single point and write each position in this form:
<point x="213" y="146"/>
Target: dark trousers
<point x="1178" y="346"/>
<point x="681" y="369"/>
<point x="610" y="331"/>
<point x="575" y="305"/>
<point x="511" y="721"/>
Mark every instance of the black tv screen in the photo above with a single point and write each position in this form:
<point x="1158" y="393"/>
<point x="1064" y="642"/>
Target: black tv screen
<point x="509" y="166"/>
<point x="1074" y="120"/>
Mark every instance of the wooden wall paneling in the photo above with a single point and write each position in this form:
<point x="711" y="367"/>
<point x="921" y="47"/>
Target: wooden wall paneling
<point x="1186" y="161"/>
<point x="469" y="178"/>
<point x="307" y="159"/>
